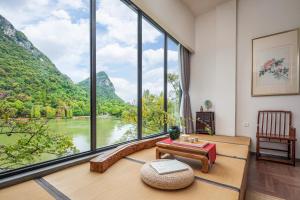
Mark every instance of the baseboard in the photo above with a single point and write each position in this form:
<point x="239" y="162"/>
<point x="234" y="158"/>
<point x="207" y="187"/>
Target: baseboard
<point x="254" y="154"/>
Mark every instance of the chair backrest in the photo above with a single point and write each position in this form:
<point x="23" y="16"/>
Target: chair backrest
<point x="274" y="122"/>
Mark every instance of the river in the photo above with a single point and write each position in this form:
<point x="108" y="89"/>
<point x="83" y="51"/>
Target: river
<point x="109" y="131"/>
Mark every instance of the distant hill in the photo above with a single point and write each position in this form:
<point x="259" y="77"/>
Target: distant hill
<point x="105" y="88"/>
<point x="30" y="81"/>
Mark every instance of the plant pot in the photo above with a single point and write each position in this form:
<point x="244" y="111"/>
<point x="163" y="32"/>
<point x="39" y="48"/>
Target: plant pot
<point x="174" y="132"/>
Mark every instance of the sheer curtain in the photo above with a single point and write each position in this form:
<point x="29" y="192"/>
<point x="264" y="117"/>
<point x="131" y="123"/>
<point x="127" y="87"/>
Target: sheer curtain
<point x="185" y="107"/>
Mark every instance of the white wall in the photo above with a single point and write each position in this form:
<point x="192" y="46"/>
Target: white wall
<point x="173" y="16"/>
<point x="203" y="61"/>
<point x="214" y="65"/>
<point x="258" y="18"/>
<point x="226" y="68"/>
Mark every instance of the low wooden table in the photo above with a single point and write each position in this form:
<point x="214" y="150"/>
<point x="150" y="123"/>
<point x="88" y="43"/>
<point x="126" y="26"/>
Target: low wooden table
<point x="184" y="151"/>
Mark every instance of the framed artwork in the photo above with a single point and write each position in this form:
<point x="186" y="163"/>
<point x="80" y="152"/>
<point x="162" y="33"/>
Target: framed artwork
<point x="275" y="64"/>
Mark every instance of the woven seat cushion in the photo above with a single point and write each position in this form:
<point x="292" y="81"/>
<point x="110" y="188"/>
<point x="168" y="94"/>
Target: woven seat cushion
<point x="172" y="181"/>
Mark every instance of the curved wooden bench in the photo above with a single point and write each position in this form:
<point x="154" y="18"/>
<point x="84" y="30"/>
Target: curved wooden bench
<point x="102" y="162"/>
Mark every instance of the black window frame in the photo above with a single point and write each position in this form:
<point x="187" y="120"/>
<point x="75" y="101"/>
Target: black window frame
<point x="93" y="129"/>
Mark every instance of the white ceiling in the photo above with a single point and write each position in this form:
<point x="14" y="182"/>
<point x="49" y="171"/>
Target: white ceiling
<point x="198" y="7"/>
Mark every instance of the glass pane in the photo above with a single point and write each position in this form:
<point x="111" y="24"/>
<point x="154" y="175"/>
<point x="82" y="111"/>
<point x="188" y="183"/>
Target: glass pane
<point x="44" y="70"/>
<point x="174" y="91"/>
<point x="116" y="72"/>
<point x="152" y="80"/>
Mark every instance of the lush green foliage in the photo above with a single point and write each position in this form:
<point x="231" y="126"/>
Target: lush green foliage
<point x="30" y="81"/>
<point x="107" y="100"/>
<point x="154" y="116"/>
<point x="33" y="140"/>
<point x="34" y="87"/>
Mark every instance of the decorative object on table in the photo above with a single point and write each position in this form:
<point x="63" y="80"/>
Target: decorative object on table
<point x="184" y="137"/>
<point x="200" y="144"/>
<point x="201" y="108"/>
<point x="208" y="104"/>
<point x="171" y="181"/>
<point x="174" y="132"/>
<point x="275" y="64"/>
<point x="205" y="123"/>
<point x="206" y="155"/>
<point x="276" y="127"/>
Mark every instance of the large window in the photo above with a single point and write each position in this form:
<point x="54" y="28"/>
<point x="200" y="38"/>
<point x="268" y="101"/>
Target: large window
<point x="116" y="81"/>
<point x="77" y="77"/>
<point x="44" y="84"/>
<point x="153" y="112"/>
<point x="173" y="83"/>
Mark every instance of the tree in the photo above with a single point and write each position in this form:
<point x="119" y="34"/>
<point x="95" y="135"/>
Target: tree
<point x="154" y="117"/>
<point x="174" y="96"/>
<point x="36" y="111"/>
<point x="173" y="80"/>
<point x="50" y="112"/>
<point x="32" y="140"/>
<point x="153" y="113"/>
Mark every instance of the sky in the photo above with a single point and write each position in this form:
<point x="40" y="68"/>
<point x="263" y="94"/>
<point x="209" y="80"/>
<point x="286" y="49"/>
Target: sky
<point x="60" y="29"/>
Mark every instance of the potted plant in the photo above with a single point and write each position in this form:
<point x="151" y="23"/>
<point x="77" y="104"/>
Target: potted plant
<point x="207" y="104"/>
<point x="208" y="129"/>
<point x="174" y="130"/>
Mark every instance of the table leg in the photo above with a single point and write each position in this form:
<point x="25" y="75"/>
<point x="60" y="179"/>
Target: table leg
<point x="203" y="159"/>
<point x="158" y="153"/>
<point x="205" y="165"/>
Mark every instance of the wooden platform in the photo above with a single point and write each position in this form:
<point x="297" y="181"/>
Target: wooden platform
<point x="227" y="178"/>
<point x="26" y="191"/>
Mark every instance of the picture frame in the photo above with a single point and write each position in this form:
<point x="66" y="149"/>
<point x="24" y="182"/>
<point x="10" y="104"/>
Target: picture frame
<point x="275" y="64"/>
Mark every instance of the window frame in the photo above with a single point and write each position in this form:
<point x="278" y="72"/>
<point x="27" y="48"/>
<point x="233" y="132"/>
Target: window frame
<point x="93" y="124"/>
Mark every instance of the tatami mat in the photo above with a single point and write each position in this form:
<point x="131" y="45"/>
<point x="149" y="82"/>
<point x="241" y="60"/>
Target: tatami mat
<point x="122" y="181"/>
<point x="226" y="139"/>
<point x="144" y="155"/>
<point x="226" y="170"/>
<point x="231" y="150"/>
<point x="29" y="190"/>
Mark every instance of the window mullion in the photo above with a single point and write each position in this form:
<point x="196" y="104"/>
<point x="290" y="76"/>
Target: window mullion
<point x="165" y="77"/>
<point x="139" y="71"/>
<point x="93" y="74"/>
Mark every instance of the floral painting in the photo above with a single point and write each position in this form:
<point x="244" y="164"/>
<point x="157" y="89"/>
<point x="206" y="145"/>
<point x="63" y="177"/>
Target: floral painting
<point x="275" y="67"/>
<point x="279" y="69"/>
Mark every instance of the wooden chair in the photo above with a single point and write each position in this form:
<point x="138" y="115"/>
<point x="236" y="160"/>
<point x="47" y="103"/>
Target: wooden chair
<point x="276" y="127"/>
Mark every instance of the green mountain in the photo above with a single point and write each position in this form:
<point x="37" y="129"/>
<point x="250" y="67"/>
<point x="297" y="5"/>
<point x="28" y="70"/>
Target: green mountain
<point x="104" y="87"/>
<point x="31" y="85"/>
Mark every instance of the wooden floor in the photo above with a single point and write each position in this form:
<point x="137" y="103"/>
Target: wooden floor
<point x="274" y="179"/>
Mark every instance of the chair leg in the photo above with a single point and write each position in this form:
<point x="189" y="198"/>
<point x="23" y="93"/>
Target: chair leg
<point x="294" y="153"/>
<point x="257" y="149"/>
<point x="289" y="150"/>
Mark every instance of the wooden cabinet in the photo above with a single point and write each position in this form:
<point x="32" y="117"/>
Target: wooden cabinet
<point x="204" y="119"/>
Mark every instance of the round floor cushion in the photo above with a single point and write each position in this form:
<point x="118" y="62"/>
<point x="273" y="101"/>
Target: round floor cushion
<point x="172" y="181"/>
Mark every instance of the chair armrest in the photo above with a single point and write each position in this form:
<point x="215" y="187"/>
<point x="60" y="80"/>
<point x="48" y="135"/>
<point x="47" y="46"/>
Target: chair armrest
<point x="292" y="133"/>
